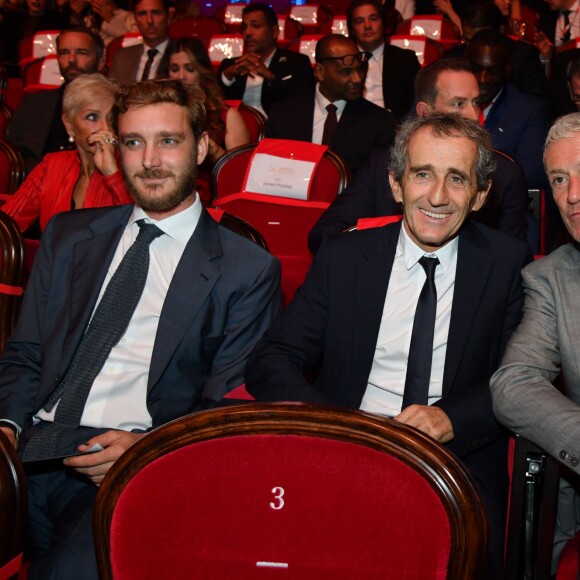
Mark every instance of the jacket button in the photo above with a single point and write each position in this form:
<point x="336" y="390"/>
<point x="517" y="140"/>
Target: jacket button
<point x="568" y="458"/>
<point x="574" y="461"/>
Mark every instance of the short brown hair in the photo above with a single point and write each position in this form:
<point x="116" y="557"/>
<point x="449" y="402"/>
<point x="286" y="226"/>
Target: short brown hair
<point x="153" y="92"/>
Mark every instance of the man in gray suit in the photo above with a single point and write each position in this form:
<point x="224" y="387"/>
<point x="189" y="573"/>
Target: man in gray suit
<point x="142" y="61"/>
<point x="547" y="341"/>
<point x="208" y="297"/>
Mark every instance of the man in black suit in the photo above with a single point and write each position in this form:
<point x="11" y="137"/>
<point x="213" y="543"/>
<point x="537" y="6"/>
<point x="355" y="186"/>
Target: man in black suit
<point x="335" y="114"/>
<point x="391" y="71"/>
<point x="352" y="321"/>
<point x="144" y="61"/>
<point x="37" y="128"/>
<point x="264" y="74"/>
<point x="446" y="85"/>
<point x="208" y="296"/>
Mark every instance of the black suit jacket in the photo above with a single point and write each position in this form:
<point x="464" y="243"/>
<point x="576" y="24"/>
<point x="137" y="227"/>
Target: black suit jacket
<point x="362" y="127"/>
<point x="334" y="320"/>
<point x="400" y="67"/>
<point x="293" y="76"/>
<point x="370" y="195"/>
<point x="30" y="127"/>
<point x="526" y="70"/>
<point x="223" y="295"/>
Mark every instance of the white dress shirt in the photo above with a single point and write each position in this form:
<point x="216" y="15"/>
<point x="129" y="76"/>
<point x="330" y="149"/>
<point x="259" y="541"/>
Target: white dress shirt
<point x="117" y="399"/>
<point x="386" y="385"/>
<point x="374" y="80"/>
<point x="320" y="114"/>
<point x="156" y="61"/>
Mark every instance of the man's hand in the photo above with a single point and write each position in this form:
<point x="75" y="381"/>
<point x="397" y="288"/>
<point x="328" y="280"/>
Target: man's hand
<point x="10" y="434"/>
<point x="543" y="44"/>
<point x="431" y="420"/>
<point x="95" y="465"/>
<point x="249" y="64"/>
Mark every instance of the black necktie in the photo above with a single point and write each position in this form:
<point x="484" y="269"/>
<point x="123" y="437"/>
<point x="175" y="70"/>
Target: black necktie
<point x="151" y="53"/>
<point x="104" y="331"/>
<point x="566" y="31"/>
<point x="330" y="124"/>
<point x="421" y="349"/>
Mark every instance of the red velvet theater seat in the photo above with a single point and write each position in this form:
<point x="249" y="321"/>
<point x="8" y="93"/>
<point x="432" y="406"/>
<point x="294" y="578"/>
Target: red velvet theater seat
<point x="288" y="491"/>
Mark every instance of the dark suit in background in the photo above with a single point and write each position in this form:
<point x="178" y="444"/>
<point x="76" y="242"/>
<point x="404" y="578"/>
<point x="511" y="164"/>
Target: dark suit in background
<point x="334" y="322"/>
<point x="370" y="195"/>
<point x="518" y="124"/>
<point x="126" y="63"/>
<point x="36" y="128"/>
<point x="293" y="77"/>
<point x="400" y="67"/>
<point x="362" y="127"/>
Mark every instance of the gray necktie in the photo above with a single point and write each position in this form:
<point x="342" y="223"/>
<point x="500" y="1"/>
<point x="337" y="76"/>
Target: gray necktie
<point x="105" y="329"/>
<point x="421" y="349"/>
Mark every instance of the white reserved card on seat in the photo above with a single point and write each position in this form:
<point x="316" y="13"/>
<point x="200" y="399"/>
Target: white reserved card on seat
<point x="272" y="175"/>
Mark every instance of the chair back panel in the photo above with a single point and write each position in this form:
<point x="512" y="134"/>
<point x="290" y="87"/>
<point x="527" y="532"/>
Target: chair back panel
<point x="254" y="120"/>
<point x="223" y="46"/>
<point x="264" y="490"/>
<point x="426" y="50"/>
<point x="38" y="45"/>
<point x="6" y="114"/>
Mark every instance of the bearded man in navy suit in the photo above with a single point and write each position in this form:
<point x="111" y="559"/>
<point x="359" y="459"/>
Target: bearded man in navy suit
<point x="208" y="296"/>
<point x="351" y="322"/>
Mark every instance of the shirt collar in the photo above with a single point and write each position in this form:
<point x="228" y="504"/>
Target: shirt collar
<point x="411" y="253"/>
<point x="377" y="52"/>
<point x="160" y="47"/>
<point x="321" y="101"/>
<point x="179" y="227"/>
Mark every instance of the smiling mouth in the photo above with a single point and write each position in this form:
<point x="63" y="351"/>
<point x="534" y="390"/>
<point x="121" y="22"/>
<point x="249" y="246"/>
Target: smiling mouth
<point x="437" y="216"/>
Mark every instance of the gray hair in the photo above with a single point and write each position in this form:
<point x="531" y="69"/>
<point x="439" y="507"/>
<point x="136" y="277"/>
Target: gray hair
<point x="92" y="87"/>
<point x="563" y="128"/>
<point x="449" y="125"/>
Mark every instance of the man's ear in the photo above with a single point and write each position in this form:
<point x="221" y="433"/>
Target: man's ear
<point x="102" y="62"/>
<point x="423" y="109"/>
<point x="319" y="72"/>
<point x="202" y="147"/>
<point x="396" y="188"/>
<point x="275" y="32"/>
<point x="480" y="198"/>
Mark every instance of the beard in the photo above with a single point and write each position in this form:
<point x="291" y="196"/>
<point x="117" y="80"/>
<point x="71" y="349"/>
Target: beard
<point x="150" y="198"/>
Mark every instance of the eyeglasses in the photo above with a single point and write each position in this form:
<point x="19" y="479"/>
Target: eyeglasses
<point x="349" y="59"/>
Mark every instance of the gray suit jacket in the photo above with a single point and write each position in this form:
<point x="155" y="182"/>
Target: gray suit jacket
<point x="546" y="342"/>
<point x="223" y="296"/>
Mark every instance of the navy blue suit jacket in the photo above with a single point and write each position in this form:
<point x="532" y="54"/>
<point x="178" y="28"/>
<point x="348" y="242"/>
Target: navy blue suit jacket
<point x="518" y="124"/>
<point x="223" y="296"/>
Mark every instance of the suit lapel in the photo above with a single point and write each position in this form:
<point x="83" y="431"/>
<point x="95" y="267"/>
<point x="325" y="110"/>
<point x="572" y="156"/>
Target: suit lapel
<point x="568" y="278"/>
<point x="372" y="280"/>
<point x="473" y="269"/>
<point x="190" y="287"/>
<point x="91" y="256"/>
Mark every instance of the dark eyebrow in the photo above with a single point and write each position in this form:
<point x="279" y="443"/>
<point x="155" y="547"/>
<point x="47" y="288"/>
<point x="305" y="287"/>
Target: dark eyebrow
<point x="427" y="167"/>
<point x="461" y="174"/>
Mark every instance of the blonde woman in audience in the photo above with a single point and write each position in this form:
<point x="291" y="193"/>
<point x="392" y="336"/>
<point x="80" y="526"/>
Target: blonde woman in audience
<point x="87" y="176"/>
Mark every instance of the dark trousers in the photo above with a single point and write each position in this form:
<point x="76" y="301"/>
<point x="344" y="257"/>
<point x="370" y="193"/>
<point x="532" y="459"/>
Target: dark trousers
<point x="60" y="508"/>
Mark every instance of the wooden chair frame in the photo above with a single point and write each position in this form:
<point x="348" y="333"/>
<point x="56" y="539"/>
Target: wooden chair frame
<point x="13" y="506"/>
<point x="11" y="274"/>
<point x="17" y="165"/>
<point x="439" y="468"/>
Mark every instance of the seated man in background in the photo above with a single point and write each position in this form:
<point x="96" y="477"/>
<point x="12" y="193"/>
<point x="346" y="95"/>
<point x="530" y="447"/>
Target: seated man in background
<point x="106" y="347"/>
<point x="443" y="86"/>
<point x="264" y="74"/>
<point x="335" y="113"/>
<point x="37" y="127"/>
<point x="410" y="321"/>
<point x="144" y="61"/>
<point x="391" y="70"/>
<point x="547" y="341"/>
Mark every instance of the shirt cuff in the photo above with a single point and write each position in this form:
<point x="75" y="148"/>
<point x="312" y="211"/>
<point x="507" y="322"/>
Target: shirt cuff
<point x="227" y="81"/>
